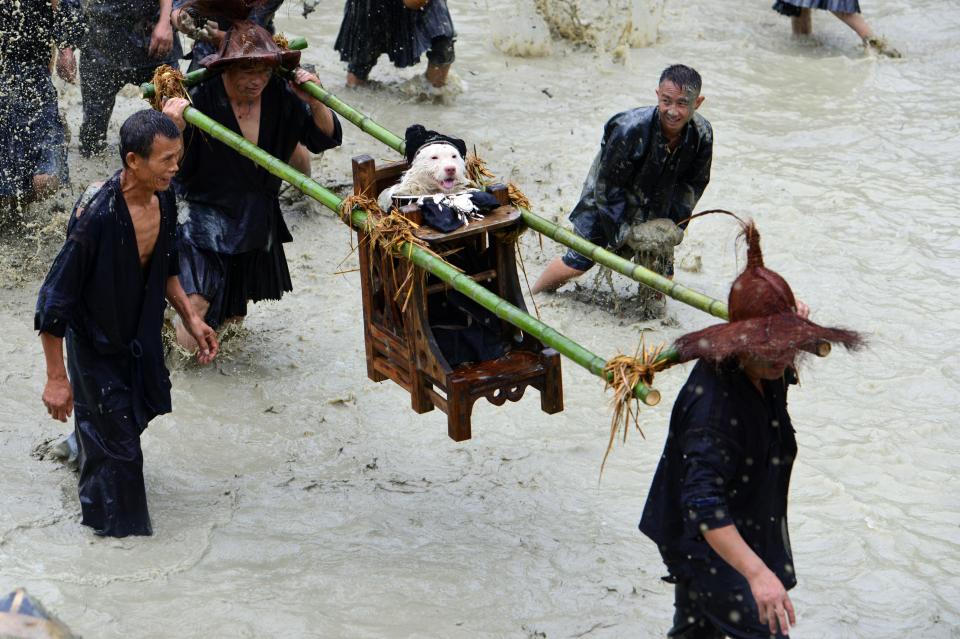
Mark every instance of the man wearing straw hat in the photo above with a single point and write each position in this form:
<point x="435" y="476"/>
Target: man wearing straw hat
<point x="717" y="508"/>
<point x="232" y="232"/>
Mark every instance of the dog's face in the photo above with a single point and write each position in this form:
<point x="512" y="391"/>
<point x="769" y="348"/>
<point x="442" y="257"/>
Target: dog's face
<point x="444" y="165"/>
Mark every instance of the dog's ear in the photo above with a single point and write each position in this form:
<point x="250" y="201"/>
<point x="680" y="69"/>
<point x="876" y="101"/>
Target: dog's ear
<point x="414" y="138"/>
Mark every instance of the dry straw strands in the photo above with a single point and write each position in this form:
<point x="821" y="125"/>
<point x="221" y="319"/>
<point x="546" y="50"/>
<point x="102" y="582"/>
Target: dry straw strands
<point x="168" y="83"/>
<point x="623" y="373"/>
<point x="394" y="233"/>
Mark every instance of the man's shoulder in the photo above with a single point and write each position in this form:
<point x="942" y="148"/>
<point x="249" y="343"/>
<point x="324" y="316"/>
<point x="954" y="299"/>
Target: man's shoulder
<point x="703" y="127"/>
<point x="95" y="204"/>
<point x="632" y="118"/>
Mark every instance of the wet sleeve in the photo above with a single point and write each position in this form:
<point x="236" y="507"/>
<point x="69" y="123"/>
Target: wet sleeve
<point x="169" y="206"/>
<point x="63" y="286"/>
<point x="71" y="24"/>
<point x="316" y="140"/>
<point x="614" y="171"/>
<point x="711" y="454"/>
<point x="693" y="182"/>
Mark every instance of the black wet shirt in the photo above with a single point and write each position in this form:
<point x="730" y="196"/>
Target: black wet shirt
<point x="635" y="177"/>
<point x="120" y="32"/>
<point x="29" y="27"/>
<point x="727" y="460"/>
<point x="110" y="308"/>
<point x="232" y="203"/>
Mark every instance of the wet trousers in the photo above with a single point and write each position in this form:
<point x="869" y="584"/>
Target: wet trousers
<point x="99" y="85"/>
<point x="715" y="606"/>
<point x="112" y="494"/>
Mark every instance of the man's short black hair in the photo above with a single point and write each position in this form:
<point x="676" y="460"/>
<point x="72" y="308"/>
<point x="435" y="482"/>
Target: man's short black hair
<point x="139" y="130"/>
<point x="682" y="76"/>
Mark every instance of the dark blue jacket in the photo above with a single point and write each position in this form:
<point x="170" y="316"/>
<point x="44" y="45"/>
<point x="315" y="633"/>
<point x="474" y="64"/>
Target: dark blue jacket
<point x="111" y="309"/>
<point x="635" y="178"/>
<point x="727" y="460"/>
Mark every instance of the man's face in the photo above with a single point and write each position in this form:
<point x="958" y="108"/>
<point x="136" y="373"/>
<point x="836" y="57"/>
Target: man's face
<point x="247" y="80"/>
<point x="676" y="106"/>
<point x="160" y="167"/>
<point x="757" y="368"/>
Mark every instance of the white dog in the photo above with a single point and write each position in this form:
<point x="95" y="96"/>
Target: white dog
<point x="437" y="168"/>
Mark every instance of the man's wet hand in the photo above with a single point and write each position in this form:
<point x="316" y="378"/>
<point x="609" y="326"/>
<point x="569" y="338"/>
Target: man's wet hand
<point x="773" y="602"/>
<point x="299" y="77"/>
<point x="67" y="65"/>
<point x="803" y="310"/>
<point x="207" y="346"/>
<point x="161" y="40"/>
<point x="58" y="398"/>
<point x="173" y="108"/>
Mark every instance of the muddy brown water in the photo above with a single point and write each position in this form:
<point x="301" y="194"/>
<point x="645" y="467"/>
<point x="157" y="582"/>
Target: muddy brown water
<point x="292" y="497"/>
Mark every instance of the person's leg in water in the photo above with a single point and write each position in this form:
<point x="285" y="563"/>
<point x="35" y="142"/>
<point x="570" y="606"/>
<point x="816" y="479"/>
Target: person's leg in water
<point x="359" y="71"/>
<point x="300" y="160"/>
<point x="440" y="58"/>
<point x="98" y="91"/>
<point x="557" y="273"/>
<point x="802" y="25"/>
<point x="857" y="22"/>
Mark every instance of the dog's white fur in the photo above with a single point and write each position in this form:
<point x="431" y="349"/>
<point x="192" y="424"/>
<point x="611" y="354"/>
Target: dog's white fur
<point x="436" y="168"/>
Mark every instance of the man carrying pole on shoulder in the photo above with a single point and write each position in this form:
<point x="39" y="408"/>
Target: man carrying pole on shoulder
<point x="232" y="231"/>
<point x="106" y="293"/>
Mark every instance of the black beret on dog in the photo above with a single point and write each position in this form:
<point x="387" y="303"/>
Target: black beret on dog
<point x="417" y="137"/>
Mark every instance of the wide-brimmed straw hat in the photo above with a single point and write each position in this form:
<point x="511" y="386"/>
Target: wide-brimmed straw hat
<point x="249" y="42"/>
<point x="244" y="41"/>
<point x="764" y="323"/>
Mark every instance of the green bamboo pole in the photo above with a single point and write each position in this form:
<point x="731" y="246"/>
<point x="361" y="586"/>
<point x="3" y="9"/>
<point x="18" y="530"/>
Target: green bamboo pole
<point x="360" y="120"/>
<point x="200" y="75"/>
<point x="555" y="232"/>
<point x="438" y="267"/>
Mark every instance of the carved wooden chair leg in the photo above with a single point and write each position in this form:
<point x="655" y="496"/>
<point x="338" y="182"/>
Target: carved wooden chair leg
<point x="459" y="408"/>
<point x="551" y="395"/>
<point x="419" y="397"/>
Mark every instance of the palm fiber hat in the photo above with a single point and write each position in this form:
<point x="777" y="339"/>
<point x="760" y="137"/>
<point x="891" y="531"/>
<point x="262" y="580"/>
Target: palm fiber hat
<point x="764" y="323"/>
<point x="244" y="41"/>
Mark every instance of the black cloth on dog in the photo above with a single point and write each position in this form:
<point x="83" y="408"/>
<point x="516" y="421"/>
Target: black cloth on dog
<point x="417" y="136"/>
<point x="448" y="213"/>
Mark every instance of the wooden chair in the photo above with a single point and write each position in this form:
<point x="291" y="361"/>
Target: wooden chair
<point x="400" y="343"/>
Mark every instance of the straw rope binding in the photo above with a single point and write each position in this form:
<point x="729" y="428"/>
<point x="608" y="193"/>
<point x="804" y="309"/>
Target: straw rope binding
<point x="623" y="373"/>
<point x="167" y="83"/>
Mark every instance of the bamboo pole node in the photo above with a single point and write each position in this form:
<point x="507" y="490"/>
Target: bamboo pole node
<point x="168" y="83"/>
<point x="623" y="373"/>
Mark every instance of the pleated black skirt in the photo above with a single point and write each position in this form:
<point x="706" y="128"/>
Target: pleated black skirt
<point x="793" y="7"/>
<point x="373" y="27"/>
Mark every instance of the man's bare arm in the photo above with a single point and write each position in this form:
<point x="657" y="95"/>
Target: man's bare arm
<point x="57" y="394"/>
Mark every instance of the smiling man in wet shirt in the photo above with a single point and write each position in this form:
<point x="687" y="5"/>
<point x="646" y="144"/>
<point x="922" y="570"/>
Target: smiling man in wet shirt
<point x="654" y="162"/>
<point x="106" y="294"/>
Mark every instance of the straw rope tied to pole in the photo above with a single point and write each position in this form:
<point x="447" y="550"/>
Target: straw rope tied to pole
<point x="623" y="373"/>
<point x="393" y="232"/>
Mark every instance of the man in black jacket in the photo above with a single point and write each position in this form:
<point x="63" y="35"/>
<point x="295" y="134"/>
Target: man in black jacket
<point x="654" y="162"/>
